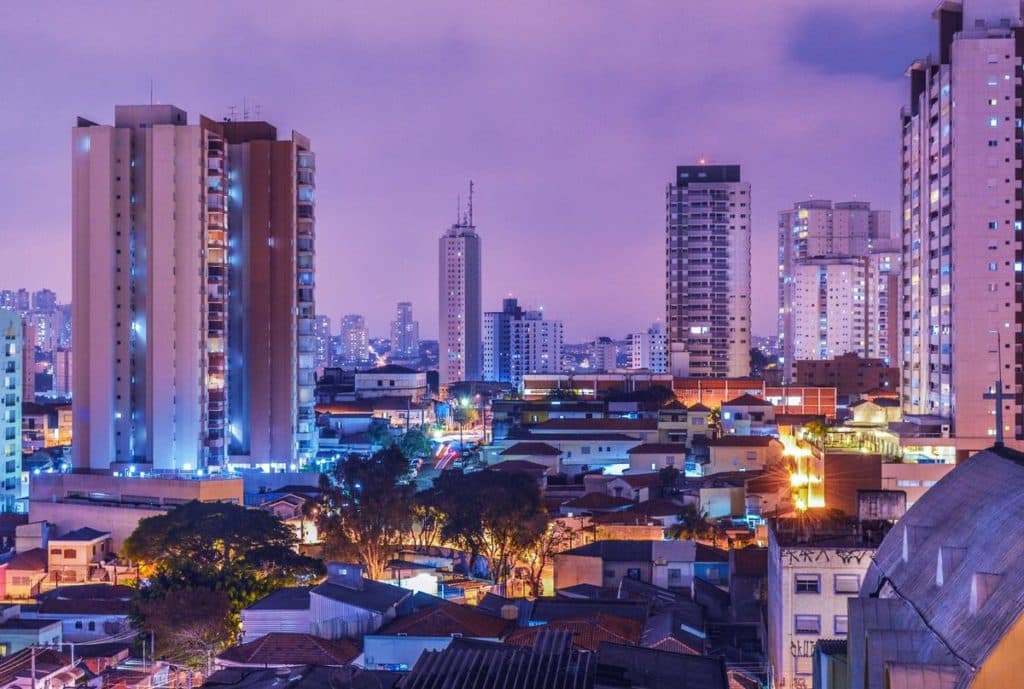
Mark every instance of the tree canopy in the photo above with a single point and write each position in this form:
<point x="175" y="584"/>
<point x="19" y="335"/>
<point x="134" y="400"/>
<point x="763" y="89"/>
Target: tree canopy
<point x="490" y="513"/>
<point x="366" y="508"/>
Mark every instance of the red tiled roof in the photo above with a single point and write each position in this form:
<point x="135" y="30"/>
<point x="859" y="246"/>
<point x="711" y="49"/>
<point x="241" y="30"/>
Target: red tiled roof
<point x="446" y="619"/>
<point x="280" y="648"/>
<point x="700" y="407"/>
<point x="597" y="501"/>
<point x="586" y="633"/>
<point x="670" y="643"/>
<point x="532" y="448"/>
<point x="33" y="560"/>
<point x="738" y="441"/>
<point x="641" y="480"/>
<point x="658" y="449"/>
<point x="747" y="400"/>
<point x="520" y="466"/>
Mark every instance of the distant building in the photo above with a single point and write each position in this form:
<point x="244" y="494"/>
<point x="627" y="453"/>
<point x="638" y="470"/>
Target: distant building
<point x="518" y="342"/>
<point x="11" y="362"/>
<point x="459" y="301"/>
<point x="497" y="345"/>
<point x="707" y="268"/>
<point x="849" y="374"/>
<point x="405" y="333"/>
<point x="28" y="360"/>
<point x="44" y="301"/>
<point x="648" y="350"/>
<point x="355" y="340"/>
<point x="390" y="381"/>
<point x="605" y="355"/>
<point x="322" y="333"/>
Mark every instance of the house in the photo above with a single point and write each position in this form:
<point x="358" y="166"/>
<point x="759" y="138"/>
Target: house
<point x="294" y="510"/>
<point x="653" y="457"/>
<point x="400" y="644"/>
<point x="86" y="612"/>
<point x="586" y="632"/>
<point x="634" y="667"/>
<point x="594" y="503"/>
<point x="345" y="605"/>
<point x="78" y="555"/>
<point x="17" y="632"/>
<point x="582" y="451"/>
<point x="877" y="412"/>
<point x="25" y="573"/>
<point x="678" y="423"/>
<point x="37" y="669"/>
<point x="747" y="415"/>
<point x="536" y="453"/>
<point x="943" y="596"/>
<point x="301" y="677"/>
<point x="538" y="472"/>
<point x="740" y="453"/>
<point x="391" y="380"/>
<point x="285" y="649"/>
<point x="417" y="577"/>
<point x="669" y="564"/>
<point x="636" y="487"/>
<point x="645" y="430"/>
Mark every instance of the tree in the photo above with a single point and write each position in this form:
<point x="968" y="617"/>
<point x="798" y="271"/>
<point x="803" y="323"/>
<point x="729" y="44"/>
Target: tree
<point x="555" y="539"/>
<point x="691" y="524"/>
<point x="490" y="513"/>
<point x="816" y="430"/>
<point x="425" y="522"/>
<point x="715" y="422"/>
<point x="414" y="443"/>
<point x="188" y="625"/>
<point x="668" y="476"/>
<point x="366" y="508"/>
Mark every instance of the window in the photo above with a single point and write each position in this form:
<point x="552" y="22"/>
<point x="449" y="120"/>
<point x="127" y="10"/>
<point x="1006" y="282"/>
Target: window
<point x="633" y="573"/>
<point x="807" y="624"/>
<point x="840" y="624"/>
<point x="78" y="624"/>
<point x="847" y="583"/>
<point x="55" y="551"/>
<point x="675" y="576"/>
<point x="808" y="583"/>
<point x="70" y="554"/>
<point x="92" y="626"/>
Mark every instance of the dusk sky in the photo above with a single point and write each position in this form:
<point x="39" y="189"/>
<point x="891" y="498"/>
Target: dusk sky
<point x="569" y="117"/>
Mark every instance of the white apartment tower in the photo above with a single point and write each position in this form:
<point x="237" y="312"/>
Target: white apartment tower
<point x="829" y="308"/>
<point x="460" y="307"/>
<point x="405" y="333"/>
<point x="817" y="229"/>
<point x="192" y="292"/>
<point x="648" y="349"/>
<point x="707" y="269"/>
<point x="963" y="285"/>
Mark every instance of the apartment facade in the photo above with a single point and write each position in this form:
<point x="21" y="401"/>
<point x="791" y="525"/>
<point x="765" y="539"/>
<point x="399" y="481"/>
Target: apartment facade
<point x="405" y="332"/>
<point x="459" y="303"/>
<point x="192" y="248"/>
<point x="355" y="340"/>
<point x="829" y="308"/>
<point x="648" y="349"/>
<point x="707" y="269"/>
<point x="497" y="344"/>
<point x="10" y="407"/>
<point x="518" y="342"/>
<point x="962" y="215"/>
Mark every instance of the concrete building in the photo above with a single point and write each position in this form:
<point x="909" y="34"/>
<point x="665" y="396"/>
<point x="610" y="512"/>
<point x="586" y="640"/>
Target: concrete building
<point x="391" y="381"/>
<point x="817" y="228"/>
<point x="536" y="346"/>
<point x="355" y="340"/>
<point x="213" y="209"/>
<point x="707" y="267"/>
<point x="829" y="308"/>
<point x="883" y="312"/>
<point x="28" y="360"/>
<point x="62" y="368"/>
<point x="649" y="350"/>
<point x="812" y="571"/>
<point x="497" y="345"/>
<point x="460" y="305"/>
<point x="849" y="374"/>
<point x="322" y="335"/>
<point x="11" y="362"/>
<point x="44" y="300"/>
<point x="405" y="333"/>
<point x="962" y="218"/>
<point x="605" y="356"/>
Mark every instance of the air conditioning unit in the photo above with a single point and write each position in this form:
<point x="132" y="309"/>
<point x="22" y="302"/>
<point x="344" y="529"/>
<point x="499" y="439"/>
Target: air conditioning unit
<point x="945" y="430"/>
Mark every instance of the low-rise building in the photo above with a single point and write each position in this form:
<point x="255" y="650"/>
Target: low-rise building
<point x="668" y="564"/>
<point x="657" y="456"/>
<point x="18" y="633"/>
<point x="391" y="381"/>
<point x="747" y="415"/>
<point x="740" y="453"/>
<point x="78" y="555"/>
<point x="287" y="650"/>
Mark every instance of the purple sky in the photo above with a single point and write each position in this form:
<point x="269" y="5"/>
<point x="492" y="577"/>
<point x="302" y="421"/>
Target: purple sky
<point x="569" y="116"/>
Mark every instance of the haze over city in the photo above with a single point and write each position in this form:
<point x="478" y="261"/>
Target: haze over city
<point x="570" y="118"/>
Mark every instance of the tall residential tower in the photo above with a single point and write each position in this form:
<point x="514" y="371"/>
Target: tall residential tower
<point x="460" y="306"/>
<point x="405" y="333"/>
<point x="192" y="292"/>
<point x="707" y="270"/>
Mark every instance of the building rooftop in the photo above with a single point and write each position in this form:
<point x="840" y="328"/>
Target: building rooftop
<point x="85" y="534"/>
<point x="289" y="598"/>
<point x="372" y="595"/>
<point x="279" y="648"/>
<point x="597" y="501"/>
<point x="817" y="529"/>
<point x="520" y="466"/>
<point x="528" y="448"/>
<point x="737" y="441"/>
<point x="658" y="449"/>
<point x="26" y="624"/>
<point x="645" y="480"/>
<point x="637" y="551"/>
<point x="609" y="424"/>
<point x="633" y="666"/>
<point x="33" y="560"/>
<point x="448" y="619"/>
<point x="586" y="633"/>
<point x="389" y="368"/>
<point x="747" y="400"/>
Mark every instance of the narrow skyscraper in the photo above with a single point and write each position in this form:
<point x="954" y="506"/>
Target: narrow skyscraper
<point x="517" y="342"/>
<point x="460" y="309"/>
<point x="963" y="282"/>
<point x="405" y="333"/>
<point x="10" y="407"/>
<point x="707" y="268"/>
<point x="193" y="285"/>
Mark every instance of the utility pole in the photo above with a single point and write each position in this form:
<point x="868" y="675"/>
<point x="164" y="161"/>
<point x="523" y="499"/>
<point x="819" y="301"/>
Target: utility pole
<point x="32" y="655"/>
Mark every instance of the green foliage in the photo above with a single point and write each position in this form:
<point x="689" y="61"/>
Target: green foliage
<point x="238" y="554"/>
<point x="490" y="513"/>
<point x="692" y="524"/>
<point x="188" y="625"/>
<point x="366" y="508"/>
<point x="414" y="443"/>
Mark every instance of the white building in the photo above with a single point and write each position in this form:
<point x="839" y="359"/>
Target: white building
<point x="809" y="581"/>
<point x="962" y="217"/>
<point x="817" y="229"/>
<point x="355" y="340"/>
<point x="606" y="353"/>
<point x="405" y="333"/>
<point x="10" y="407"/>
<point x="536" y="346"/>
<point x="460" y="310"/>
<point x="649" y="350"/>
<point x="707" y="267"/>
<point x="391" y="381"/>
<point x="322" y="333"/>
<point x="177" y="271"/>
<point x="829" y="308"/>
<point x="883" y="313"/>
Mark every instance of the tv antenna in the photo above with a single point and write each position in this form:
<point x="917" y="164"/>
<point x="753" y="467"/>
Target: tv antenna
<point x="470" y="203"/>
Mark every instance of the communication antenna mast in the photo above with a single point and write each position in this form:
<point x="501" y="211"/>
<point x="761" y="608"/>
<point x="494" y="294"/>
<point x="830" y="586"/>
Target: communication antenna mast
<point x="232" y="113"/>
<point x="470" y="203"/>
<point x="458" y="209"/>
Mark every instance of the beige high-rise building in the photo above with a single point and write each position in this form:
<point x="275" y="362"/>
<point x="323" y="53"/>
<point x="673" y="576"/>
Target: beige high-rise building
<point x="707" y="270"/>
<point x="460" y="305"/>
<point x="962" y="214"/>
<point x="829" y="308"/>
<point x="816" y="229"/>
<point x="192" y="285"/>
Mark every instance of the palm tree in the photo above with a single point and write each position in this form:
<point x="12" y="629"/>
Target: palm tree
<point x="693" y="524"/>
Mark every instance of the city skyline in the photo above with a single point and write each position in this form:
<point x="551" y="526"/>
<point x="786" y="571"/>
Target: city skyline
<point x="573" y="127"/>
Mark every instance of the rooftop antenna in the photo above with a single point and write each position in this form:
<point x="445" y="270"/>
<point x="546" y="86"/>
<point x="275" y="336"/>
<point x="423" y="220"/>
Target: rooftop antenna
<point x="458" y="208"/>
<point x="151" y="92"/>
<point x="245" y="109"/>
<point x="232" y="113"/>
<point x="470" y="203"/>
